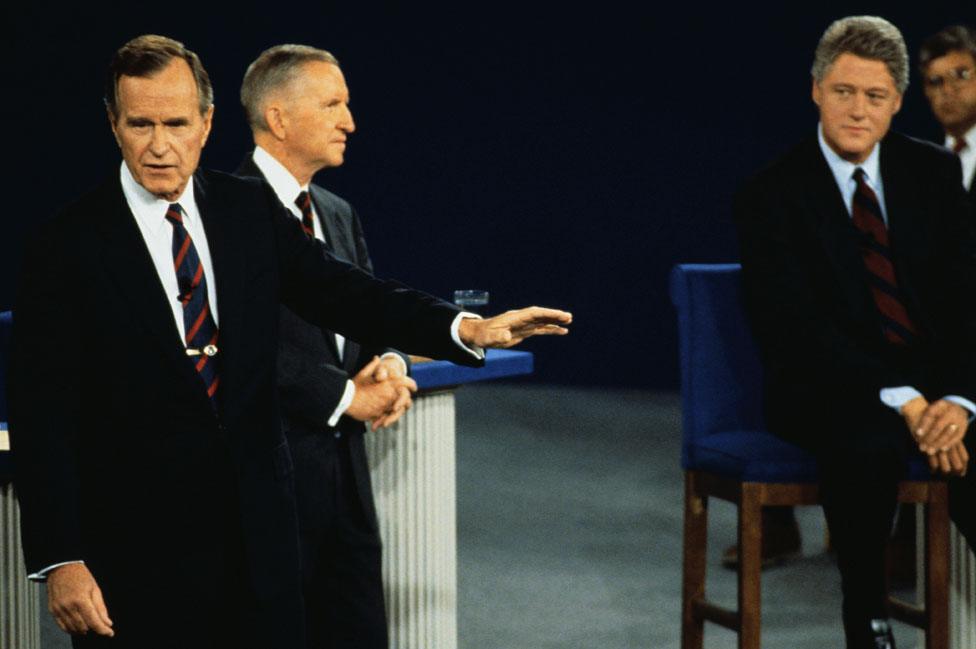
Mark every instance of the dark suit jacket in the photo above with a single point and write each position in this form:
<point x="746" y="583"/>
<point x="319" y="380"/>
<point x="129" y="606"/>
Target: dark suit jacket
<point x="312" y="379"/>
<point x="807" y="296"/>
<point x="121" y="461"/>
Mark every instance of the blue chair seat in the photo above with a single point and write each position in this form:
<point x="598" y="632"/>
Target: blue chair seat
<point x="753" y="456"/>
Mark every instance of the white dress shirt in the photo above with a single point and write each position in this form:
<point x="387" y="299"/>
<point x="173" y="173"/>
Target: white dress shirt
<point x="843" y="171"/>
<point x="967" y="156"/>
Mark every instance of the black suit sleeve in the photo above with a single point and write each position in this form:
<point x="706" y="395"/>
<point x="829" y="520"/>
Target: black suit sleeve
<point x="364" y="262"/>
<point x="45" y="372"/>
<point x="309" y="388"/>
<point x="333" y="294"/>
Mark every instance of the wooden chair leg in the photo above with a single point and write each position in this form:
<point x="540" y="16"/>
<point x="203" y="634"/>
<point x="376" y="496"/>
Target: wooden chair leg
<point x="750" y="566"/>
<point x="695" y="545"/>
<point x="937" y="567"/>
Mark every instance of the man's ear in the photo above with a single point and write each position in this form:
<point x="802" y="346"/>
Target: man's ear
<point x="112" y="124"/>
<point x="207" y="123"/>
<point x="276" y="120"/>
<point x="816" y="92"/>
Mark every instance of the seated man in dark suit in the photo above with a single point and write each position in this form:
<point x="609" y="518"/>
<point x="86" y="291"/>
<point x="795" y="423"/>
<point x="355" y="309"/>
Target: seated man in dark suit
<point x="947" y="62"/>
<point x="155" y="484"/>
<point x="859" y="262"/>
<point x="297" y="105"/>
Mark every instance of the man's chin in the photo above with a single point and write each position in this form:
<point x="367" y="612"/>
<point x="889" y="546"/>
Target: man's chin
<point x="167" y="191"/>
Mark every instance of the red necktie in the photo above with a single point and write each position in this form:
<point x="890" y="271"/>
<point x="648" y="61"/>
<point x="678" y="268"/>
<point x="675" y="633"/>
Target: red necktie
<point x="958" y="145"/>
<point x="866" y="215"/>
<point x="304" y="203"/>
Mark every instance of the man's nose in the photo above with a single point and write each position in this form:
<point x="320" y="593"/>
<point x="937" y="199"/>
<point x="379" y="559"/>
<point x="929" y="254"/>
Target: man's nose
<point x="859" y="105"/>
<point x="346" y="122"/>
<point x="159" y="143"/>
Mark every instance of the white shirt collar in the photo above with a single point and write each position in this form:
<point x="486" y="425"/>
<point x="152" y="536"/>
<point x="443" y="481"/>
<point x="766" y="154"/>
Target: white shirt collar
<point x="970" y="137"/>
<point x="843" y="170"/>
<point x="282" y="182"/>
<point x="150" y="210"/>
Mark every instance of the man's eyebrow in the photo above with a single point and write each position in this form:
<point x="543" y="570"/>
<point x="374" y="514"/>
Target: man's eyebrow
<point x="176" y="121"/>
<point x="138" y="121"/>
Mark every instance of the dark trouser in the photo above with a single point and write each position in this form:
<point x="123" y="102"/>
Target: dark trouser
<point x="342" y="561"/>
<point x="859" y="480"/>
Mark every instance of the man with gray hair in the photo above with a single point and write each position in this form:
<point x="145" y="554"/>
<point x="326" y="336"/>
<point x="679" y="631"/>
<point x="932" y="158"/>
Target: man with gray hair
<point x="297" y="105"/>
<point x="857" y="267"/>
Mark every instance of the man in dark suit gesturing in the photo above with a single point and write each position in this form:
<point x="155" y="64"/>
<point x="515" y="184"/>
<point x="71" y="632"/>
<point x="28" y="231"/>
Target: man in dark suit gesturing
<point x="297" y="104"/>
<point x="155" y="485"/>
<point x="859" y="267"/>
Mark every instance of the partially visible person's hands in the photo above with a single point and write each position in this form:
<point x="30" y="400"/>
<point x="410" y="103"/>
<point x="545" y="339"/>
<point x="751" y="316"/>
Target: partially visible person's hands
<point x="75" y="601"/>
<point x="939" y="428"/>
<point x="383" y="393"/>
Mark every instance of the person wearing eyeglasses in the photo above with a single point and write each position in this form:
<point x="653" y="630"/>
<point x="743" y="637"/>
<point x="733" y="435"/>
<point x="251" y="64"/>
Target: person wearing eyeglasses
<point x="947" y="62"/>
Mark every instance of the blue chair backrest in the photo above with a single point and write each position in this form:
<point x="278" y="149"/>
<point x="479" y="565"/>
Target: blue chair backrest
<point x="6" y="319"/>
<point x="721" y="376"/>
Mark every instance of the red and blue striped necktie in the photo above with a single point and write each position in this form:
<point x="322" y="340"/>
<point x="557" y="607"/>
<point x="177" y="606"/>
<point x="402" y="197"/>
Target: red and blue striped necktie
<point x="198" y="323"/>
<point x="304" y="203"/>
<point x="896" y="325"/>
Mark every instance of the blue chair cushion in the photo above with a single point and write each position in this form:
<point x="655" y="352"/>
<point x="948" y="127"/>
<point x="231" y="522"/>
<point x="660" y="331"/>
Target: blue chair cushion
<point x="751" y="456"/>
<point x="758" y="456"/>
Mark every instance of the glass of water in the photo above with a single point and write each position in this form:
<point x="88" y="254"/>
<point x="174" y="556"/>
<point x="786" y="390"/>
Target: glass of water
<point x="471" y="299"/>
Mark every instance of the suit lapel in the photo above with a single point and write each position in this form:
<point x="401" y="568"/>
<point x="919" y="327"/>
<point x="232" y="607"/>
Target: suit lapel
<point x="907" y="236"/>
<point x="336" y="242"/>
<point x="837" y="233"/>
<point x="130" y="267"/>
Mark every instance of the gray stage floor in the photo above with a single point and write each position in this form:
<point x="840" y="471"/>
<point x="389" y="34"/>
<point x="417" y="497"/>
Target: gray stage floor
<point x="569" y="517"/>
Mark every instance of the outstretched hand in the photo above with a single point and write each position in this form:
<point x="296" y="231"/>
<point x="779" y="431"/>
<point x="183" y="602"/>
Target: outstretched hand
<point x="512" y="327"/>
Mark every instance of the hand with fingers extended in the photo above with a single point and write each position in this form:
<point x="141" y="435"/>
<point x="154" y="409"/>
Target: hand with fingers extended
<point x="75" y="601"/>
<point x="512" y="327"/>
<point x="383" y="393"/>
<point x="939" y="431"/>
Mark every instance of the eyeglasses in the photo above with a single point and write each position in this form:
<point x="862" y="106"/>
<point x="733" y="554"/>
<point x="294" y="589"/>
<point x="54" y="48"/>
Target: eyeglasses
<point x="955" y="78"/>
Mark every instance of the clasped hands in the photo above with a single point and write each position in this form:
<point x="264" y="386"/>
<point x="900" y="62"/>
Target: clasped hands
<point x="939" y="428"/>
<point x="383" y="392"/>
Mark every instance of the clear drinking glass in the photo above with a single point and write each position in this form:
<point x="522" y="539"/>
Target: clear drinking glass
<point x="471" y="299"/>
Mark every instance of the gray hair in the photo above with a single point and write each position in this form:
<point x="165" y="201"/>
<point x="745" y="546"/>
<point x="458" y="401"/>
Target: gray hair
<point x="146" y="55"/>
<point x="868" y="37"/>
<point x="275" y="68"/>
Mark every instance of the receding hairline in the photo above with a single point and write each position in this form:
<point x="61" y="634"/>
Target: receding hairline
<point x="194" y="88"/>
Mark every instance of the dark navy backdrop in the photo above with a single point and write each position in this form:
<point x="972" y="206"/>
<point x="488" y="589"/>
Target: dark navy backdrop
<point x="566" y="158"/>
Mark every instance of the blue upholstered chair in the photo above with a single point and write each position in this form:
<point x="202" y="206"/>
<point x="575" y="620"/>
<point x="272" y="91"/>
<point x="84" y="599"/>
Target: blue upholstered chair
<point x="727" y="453"/>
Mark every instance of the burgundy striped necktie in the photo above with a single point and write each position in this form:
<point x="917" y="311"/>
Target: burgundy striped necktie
<point x="876" y="253"/>
<point x="198" y="322"/>
<point x="304" y="203"/>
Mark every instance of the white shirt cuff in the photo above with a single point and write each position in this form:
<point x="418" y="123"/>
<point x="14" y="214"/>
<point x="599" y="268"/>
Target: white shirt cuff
<point x="41" y="575"/>
<point x="898" y="397"/>
<point x="895" y="398"/>
<point x="347" y="396"/>
<point x="397" y="357"/>
<point x="474" y="350"/>
<point x="965" y="403"/>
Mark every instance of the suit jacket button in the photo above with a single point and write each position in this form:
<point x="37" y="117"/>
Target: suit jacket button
<point x="337" y="434"/>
